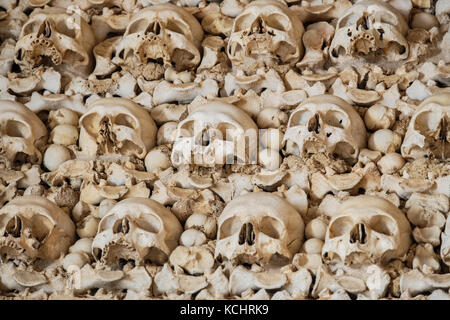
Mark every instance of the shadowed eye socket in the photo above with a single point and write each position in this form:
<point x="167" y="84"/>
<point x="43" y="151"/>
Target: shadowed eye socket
<point x="178" y="27"/>
<point x="427" y="122"/>
<point x="230" y="227"/>
<point x="91" y="123"/>
<point x="17" y="129"/>
<point x="41" y="227"/>
<point x="337" y="119"/>
<point x="137" y="26"/>
<point x="271" y="227"/>
<point x="278" y="21"/>
<point x="340" y="226"/>
<point x="187" y="129"/>
<point x="61" y="27"/>
<point x="125" y="120"/>
<point x="31" y="27"/>
<point x="148" y="222"/>
<point x="300" y="118"/>
<point x="383" y="224"/>
<point x="243" y="22"/>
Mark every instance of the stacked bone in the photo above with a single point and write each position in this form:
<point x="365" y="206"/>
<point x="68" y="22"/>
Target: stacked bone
<point x="238" y="149"/>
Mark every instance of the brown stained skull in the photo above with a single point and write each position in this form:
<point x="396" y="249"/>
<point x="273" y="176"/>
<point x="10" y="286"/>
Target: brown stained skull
<point x="22" y="134"/>
<point x="136" y="230"/>
<point x="58" y="39"/>
<point x="117" y="126"/>
<point x="33" y="227"/>
<point x="327" y="124"/>
<point x="259" y="228"/>
<point x="428" y="132"/>
<point x="267" y="32"/>
<point x="370" y="28"/>
<point x="162" y="34"/>
<point x="366" y="230"/>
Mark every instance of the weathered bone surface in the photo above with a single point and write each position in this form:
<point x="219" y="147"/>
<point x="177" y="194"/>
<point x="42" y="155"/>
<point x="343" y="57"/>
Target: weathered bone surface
<point x="235" y="149"/>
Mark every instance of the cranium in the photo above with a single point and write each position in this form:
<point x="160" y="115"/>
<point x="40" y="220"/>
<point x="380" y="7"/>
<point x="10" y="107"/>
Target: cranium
<point x="137" y="229"/>
<point x="366" y="229"/>
<point x="56" y="38"/>
<point x="428" y="132"/>
<point x="325" y="123"/>
<point x="162" y="34"/>
<point x="33" y="227"/>
<point x="267" y="32"/>
<point x="23" y="135"/>
<point x="117" y="125"/>
<point x="213" y="133"/>
<point x="371" y="28"/>
<point x="259" y="228"/>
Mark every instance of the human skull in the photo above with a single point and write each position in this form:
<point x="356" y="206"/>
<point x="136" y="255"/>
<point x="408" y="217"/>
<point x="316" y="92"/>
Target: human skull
<point x="325" y="123"/>
<point x="259" y="228"/>
<point x="213" y="134"/>
<point x="268" y="32"/>
<point x="371" y="28"/>
<point x="161" y="34"/>
<point x="428" y="132"/>
<point x="33" y="227"/>
<point x="56" y="38"/>
<point x="22" y="134"/>
<point x="116" y="126"/>
<point x="137" y="229"/>
<point x="366" y="229"/>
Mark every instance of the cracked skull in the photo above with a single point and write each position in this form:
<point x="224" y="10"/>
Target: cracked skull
<point x="23" y="135"/>
<point x="138" y="230"/>
<point x="268" y="32"/>
<point x="366" y="229"/>
<point x="215" y="133"/>
<point x="259" y="228"/>
<point x="158" y="35"/>
<point x="428" y="132"/>
<point x="371" y="28"/>
<point x="325" y="124"/>
<point x="117" y="126"/>
<point x="55" y="38"/>
<point x="33" y="227"/>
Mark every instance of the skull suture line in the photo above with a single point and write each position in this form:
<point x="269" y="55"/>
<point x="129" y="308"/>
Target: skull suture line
<point x="139" y="230"/>
<point x="428" y="132"/>
<point x="161" y="34"/>
<point x="33" y="227"/>
<point x="267" y="33"/>
<point x="117" y="126"/>
<point x="325" y="124"/>
<point x="366" y="229"/>
<point x="214" y="134"/>
<point x="371" y="28"/>
<point x="22" y="134"/>
<point x="259" y="228"/>
<point x="55" y="38"/>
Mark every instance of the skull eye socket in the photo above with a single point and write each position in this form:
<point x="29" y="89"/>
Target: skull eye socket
<point x="17" y="129"/>
<point x="300" y="118"/>
<point x="31" y="27"/>
<point x="230" y="227"/>
<point x="340" y="227"/>
<point x="41" y="227"/>
<point x="125" y="120"/>
<point x="177" y="27"/>
<point x="148" y="222"/>
<point x="271" y="227"/>
<point x="243" y="22"/>
<point x="61" y="27"/>
<point x="277" y="21"/>
<point x="427" y="122"/>
<point x="383" y="225"/>
<point x="137" y="26"/>
<point x="91" y="123"/>
<point x="187" y="130"/>
<point x="337" y="119"/>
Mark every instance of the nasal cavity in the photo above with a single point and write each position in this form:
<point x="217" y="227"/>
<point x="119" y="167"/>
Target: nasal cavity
<point x="257" y="26"/>
<point x="358" y="234"/>
<point x="247" y="234"/>
<point x="154" y="28"/>
<point x="122" y="226"/>
<point x="314" y="124"/>
<point x="45" y="29"/>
